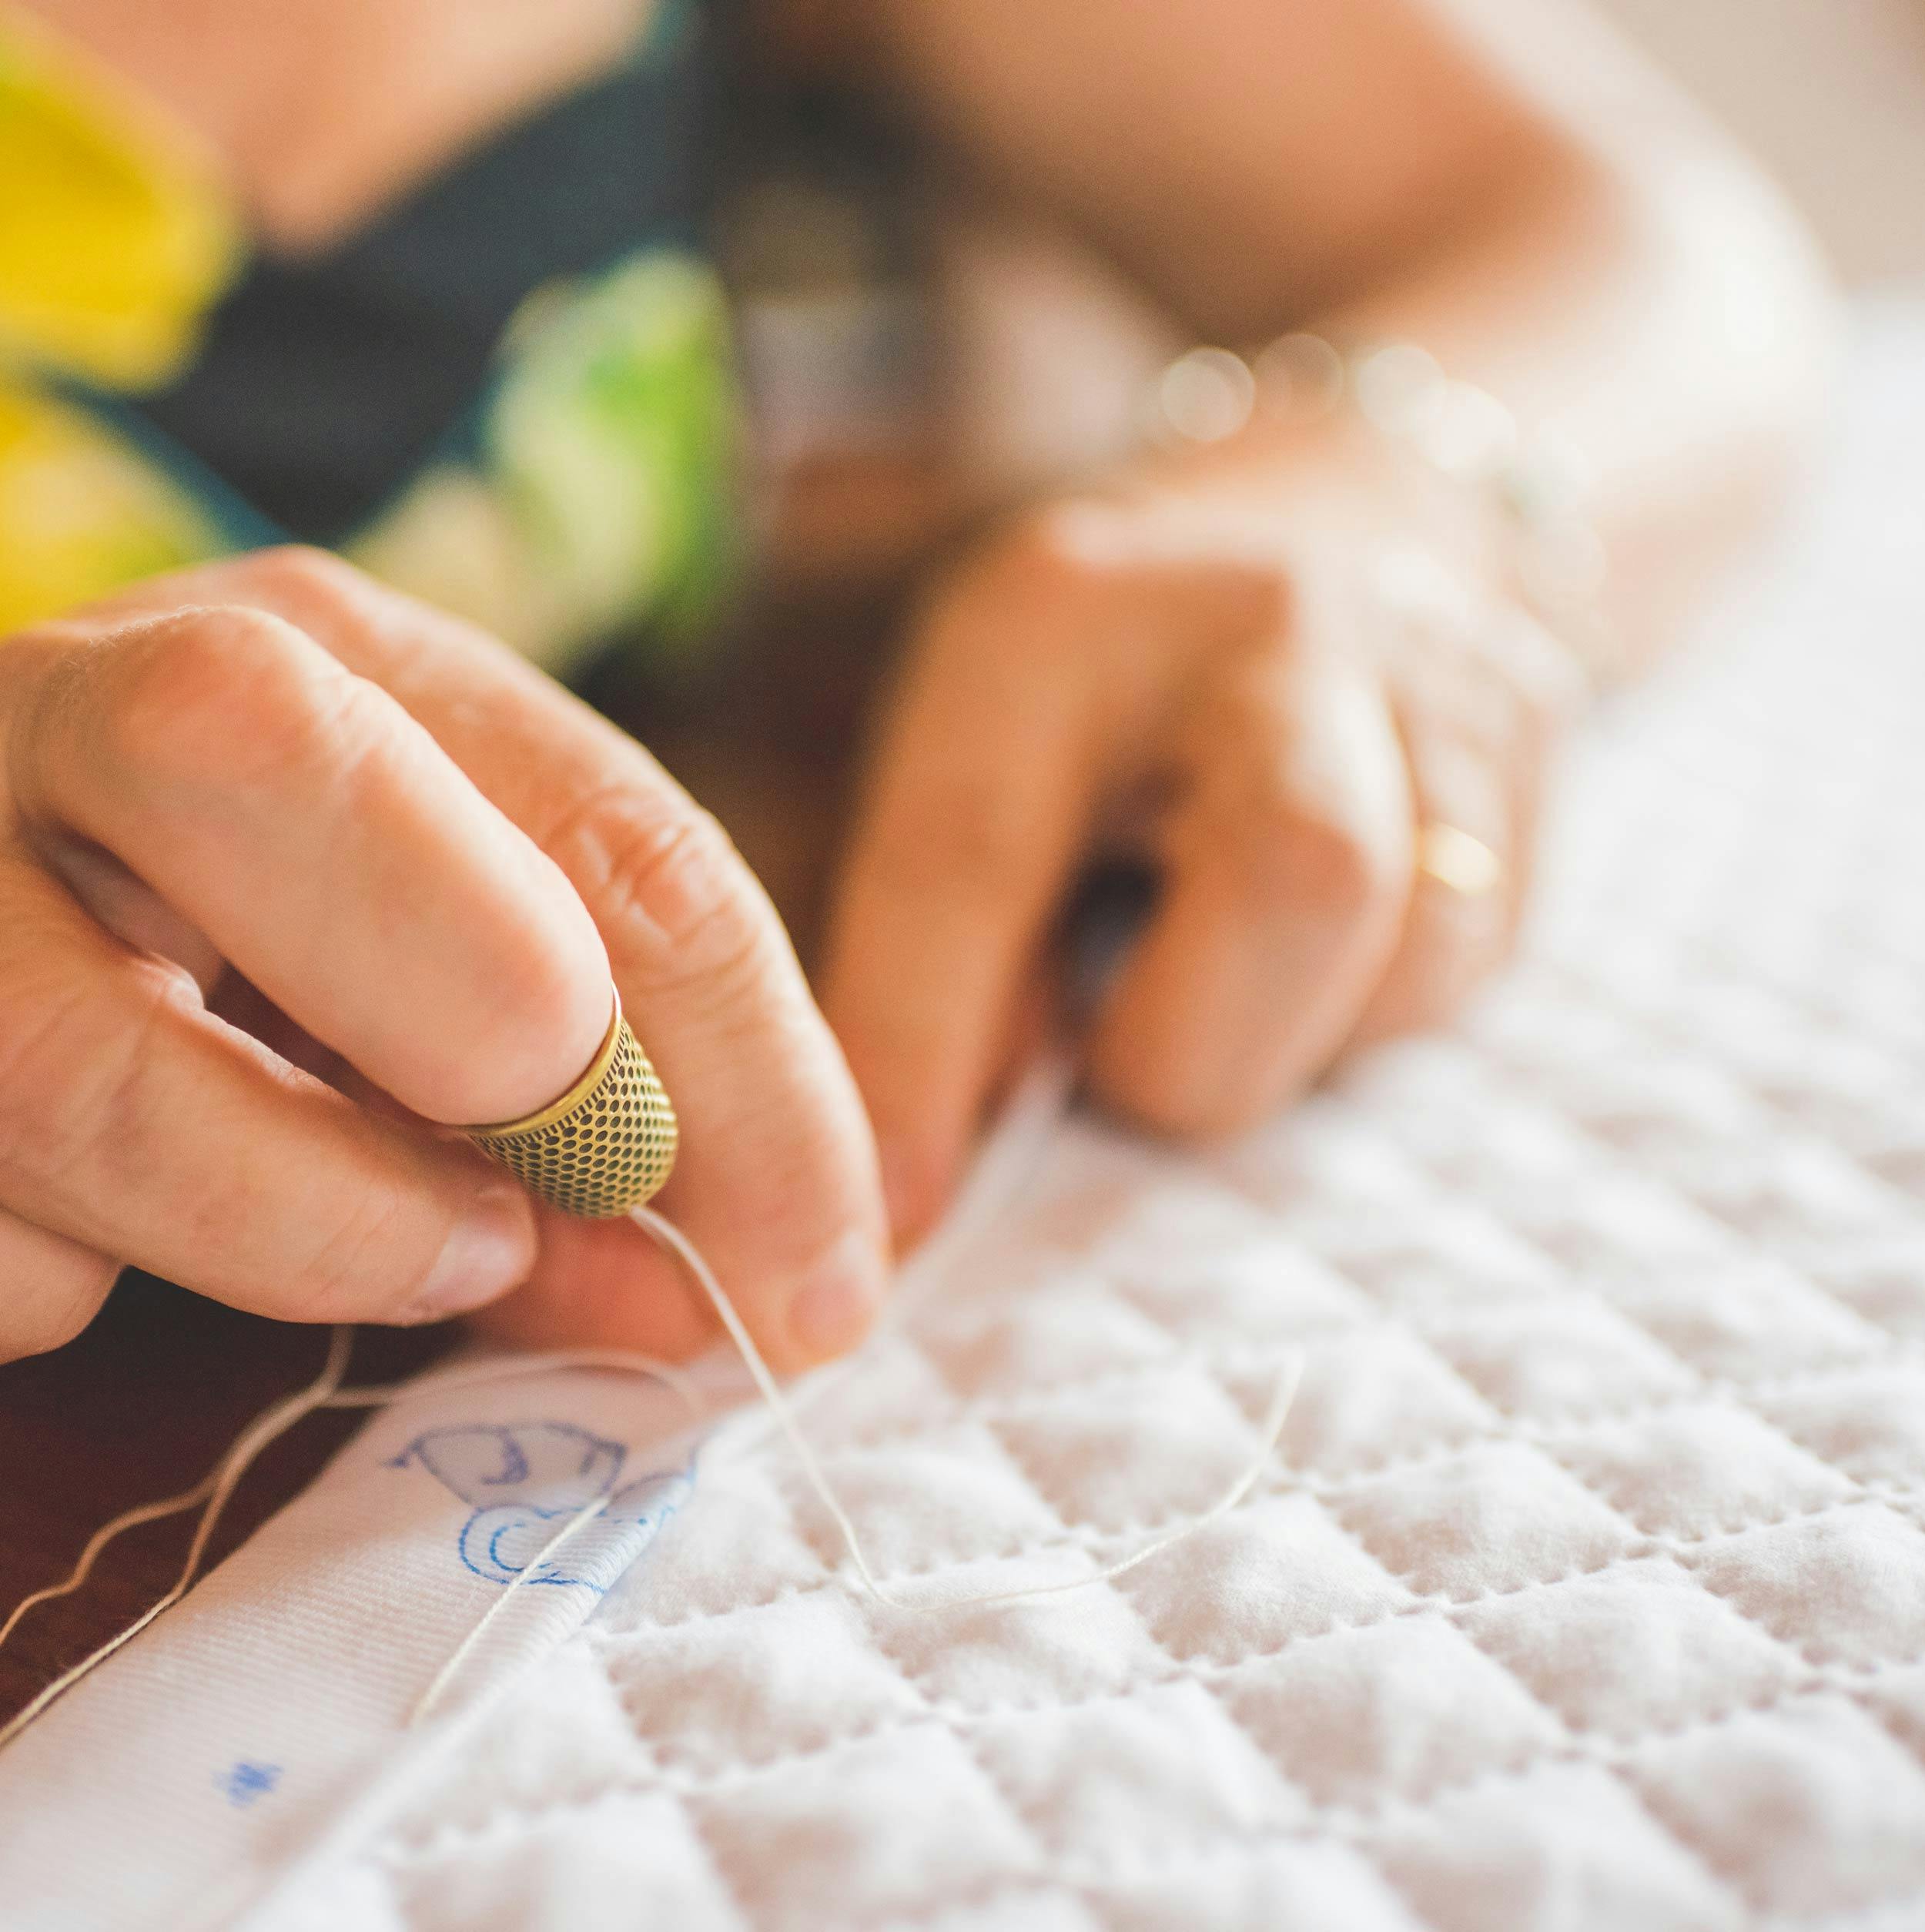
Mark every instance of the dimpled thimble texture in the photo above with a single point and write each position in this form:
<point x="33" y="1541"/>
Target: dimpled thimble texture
<point x="606" y="1145"/>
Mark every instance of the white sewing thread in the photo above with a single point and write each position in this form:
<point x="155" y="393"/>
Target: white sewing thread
<point x="467" y="1646"/>
<point x="324" y="1391"/>
<point x="672" y="1238"/>
<point x="146" y="1512"/>
<point x="215" y="1489"/>
<point x="373" y="1397"/>
<point x="272" y="1421"/>
<point x="1008" y="1158"/>
<point x="292" y="1408"/>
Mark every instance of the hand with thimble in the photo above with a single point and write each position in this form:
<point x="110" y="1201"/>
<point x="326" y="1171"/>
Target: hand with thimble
<point x="311" y="900"/>
<point x="351" y="969"/>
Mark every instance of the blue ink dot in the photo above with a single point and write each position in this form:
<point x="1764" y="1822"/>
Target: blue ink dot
<point x="244" y="1782"/>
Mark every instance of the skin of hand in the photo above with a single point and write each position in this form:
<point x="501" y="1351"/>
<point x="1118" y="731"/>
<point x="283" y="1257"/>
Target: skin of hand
<point x="1198" y="670"/>
<point x="269" y="788"/>
<point x="1187" y="666"/>
<point x="319" y="112"/>
<point x="1509" y="186"/>
<point x="1500" y="183"/>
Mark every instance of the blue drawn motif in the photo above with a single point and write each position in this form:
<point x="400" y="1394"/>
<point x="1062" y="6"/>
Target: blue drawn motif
<point x="243" y="1783"/>
<point x="525" y="1479"/>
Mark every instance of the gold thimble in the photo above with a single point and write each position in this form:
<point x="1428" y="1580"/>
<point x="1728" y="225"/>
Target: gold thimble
<point x="604" y="1147"/>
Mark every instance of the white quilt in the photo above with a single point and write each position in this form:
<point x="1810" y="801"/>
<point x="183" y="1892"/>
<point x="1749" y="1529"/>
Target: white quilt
<point x="1587" y="1592"/>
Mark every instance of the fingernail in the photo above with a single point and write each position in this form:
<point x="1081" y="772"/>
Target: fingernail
<point x="488" y="1251"/>
<point x="835" y="1307"/>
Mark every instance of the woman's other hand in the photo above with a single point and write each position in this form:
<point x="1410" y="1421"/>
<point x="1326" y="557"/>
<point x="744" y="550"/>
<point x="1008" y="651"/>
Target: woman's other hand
<point x="415" y="865"/>
<point x="1505" y="186"/>
<point x="1330" y="740"/>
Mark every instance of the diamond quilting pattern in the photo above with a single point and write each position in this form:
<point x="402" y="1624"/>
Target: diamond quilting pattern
<point x="1589" y="1592"/>
<point x="1562" y="1844"/>
<point x="1805" y="1809"/>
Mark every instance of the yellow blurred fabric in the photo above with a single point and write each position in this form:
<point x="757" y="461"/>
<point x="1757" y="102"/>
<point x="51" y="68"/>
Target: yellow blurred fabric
<point x="599" y="490"/>
<point x="81" y="512"/>
<point x="114" y="235"/>
<point x="115" y="238"/>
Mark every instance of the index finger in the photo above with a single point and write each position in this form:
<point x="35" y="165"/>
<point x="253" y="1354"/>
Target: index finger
<point x="777" y="1177"/>
<point x="328" y="848"/>
<point x="972" y="821"/>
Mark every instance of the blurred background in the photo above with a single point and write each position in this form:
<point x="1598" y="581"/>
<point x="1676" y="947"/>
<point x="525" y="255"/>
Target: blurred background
<point x="1830" y="97"/>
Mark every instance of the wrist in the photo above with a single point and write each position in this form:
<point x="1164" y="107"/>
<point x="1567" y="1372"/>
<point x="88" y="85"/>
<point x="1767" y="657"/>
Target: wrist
<point x="1379" y="443"/>
<point x="1341" y="503"/>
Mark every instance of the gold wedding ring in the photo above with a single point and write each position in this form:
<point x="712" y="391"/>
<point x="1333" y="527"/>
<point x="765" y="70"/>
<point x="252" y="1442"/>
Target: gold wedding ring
<point x="1454" y="859"/>
<point x="605" y="1146"/>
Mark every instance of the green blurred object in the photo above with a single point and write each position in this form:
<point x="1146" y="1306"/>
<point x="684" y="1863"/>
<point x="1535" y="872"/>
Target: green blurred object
<point x="602" y="497"/>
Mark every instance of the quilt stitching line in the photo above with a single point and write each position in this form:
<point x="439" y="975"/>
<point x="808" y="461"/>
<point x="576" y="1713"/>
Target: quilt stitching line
<point x="1905" y="1496"/>
<point x="1696" y="1851"/>
<point x="1621" y="1774"/>
<point x="1797" y="1134"/>
<point x="1736" y="1878"/>
<point x="1802" y="1651"/>
<point x="1835" y="1023"/>
<point x="1730" y="1236"/>
<point x="1582" y="1746"/>
<point x="1205" y="1666"/>
<point x="1744" y="1389"/>
<point x="1817" y="1678"/>
<point x="1645" y="1546"/>
<point x="1673" y="1828"/>
<point x="1539" y="1431"/>
<point x="1567" y="1731"/>
<point x="1809" y="1676"/>
<point x="1025" y="1824"/>
<point x="1894" y="1346"/>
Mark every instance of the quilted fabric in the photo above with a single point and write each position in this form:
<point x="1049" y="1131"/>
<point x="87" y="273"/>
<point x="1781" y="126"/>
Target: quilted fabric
<point x="1588" y="1591"/>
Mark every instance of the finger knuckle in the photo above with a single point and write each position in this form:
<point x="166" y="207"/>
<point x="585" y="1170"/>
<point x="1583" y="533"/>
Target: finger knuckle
<point x="225" y="692"/>
<point x="675" y="901"/>
<point x="1290" y="855"/>
<point x="75" y="1090"/>
<point x="308" y="576"/>
<point x="538" y="988"/>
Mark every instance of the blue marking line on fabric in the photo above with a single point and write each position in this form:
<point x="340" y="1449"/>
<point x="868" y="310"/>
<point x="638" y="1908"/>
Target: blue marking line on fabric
<point x="523" y="1477"/>
<point x="210" y="1495"/>
<point x="246" y="1783"/>
<point x="476" y="1462"/>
